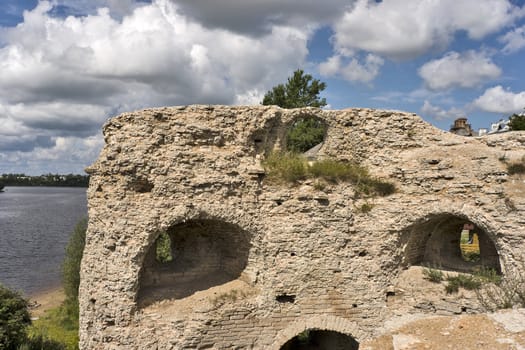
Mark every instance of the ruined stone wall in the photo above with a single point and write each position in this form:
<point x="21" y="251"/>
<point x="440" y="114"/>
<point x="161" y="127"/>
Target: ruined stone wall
<point x="310" y="257"/>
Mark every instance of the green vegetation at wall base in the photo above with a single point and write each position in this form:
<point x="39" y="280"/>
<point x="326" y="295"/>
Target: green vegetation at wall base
<point x="57" y="329"/>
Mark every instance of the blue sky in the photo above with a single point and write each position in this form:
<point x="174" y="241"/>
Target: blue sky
<point x="68" y="65"/>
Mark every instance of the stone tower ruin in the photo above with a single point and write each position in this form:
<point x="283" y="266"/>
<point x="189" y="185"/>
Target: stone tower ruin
<point x="254" y="264"/>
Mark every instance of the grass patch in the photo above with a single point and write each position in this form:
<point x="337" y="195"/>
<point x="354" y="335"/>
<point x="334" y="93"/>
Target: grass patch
<point x="474" y="282"/>
<point x="292" y="167"/>
<point x="488" y="276"/>
<point x="57" y="329"/>
<point x="468" y="282"/>
<point x="333" y="171"/>
<point x="433" y="275"/>
<point x="287" y="167"/>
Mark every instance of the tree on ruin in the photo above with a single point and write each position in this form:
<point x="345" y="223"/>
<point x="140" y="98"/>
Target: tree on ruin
<point x="301" y="90"/>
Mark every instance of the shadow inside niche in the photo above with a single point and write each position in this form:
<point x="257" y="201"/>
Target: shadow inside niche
<point x="436" y="242"/>
<point x="204" y="254"/>
<point x="321" y="340"/>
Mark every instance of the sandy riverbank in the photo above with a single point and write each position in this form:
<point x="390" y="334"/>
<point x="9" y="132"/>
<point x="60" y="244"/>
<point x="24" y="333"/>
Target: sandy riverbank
<point x="46" y="300"/>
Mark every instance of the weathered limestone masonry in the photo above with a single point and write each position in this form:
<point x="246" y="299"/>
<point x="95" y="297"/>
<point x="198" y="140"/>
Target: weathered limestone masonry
<point x="255" y="264"/>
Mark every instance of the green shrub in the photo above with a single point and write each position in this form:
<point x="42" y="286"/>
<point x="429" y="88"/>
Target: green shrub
<point x="14" y="318"/>
<point x="433" y="275"/>
<point x="163" y="248"/>
<point x="40" y="342"/>
<point x="61" y="324"/>
<point x="72" y="259"/>
<point x="517" y="122"/>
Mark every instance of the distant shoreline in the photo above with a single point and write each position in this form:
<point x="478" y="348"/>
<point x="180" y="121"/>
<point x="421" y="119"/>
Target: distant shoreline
<point x="52" y="180"/>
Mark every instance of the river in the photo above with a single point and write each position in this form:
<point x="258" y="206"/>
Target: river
<point x="35" y="226"/>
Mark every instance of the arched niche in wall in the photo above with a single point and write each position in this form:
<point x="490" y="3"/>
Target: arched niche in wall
<point x="264" y="139"/>
<point x="321" y="340"/>
<point x="190" y="257"/>
<point x="435" y="242"/>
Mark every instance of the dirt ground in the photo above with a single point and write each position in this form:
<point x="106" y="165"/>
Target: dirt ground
<point x="43" y="301"/>
<point x="202" y="301"/>
<point x="504" y="330"/>
<point x="456" y="323"/>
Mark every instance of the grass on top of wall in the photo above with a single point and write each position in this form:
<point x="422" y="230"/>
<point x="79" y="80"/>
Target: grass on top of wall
<point x="285" y="167"/>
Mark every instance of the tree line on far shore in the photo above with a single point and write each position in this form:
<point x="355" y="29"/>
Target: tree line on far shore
<point x="69" y="180"/>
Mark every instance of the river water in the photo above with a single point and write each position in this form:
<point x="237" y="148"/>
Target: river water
<point x="35" y="226"/>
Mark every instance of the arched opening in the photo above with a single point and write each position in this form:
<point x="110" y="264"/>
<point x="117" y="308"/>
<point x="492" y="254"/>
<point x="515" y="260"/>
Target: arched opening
<point x="191" y="257"/>
<point x="306" y="134"/>
<point x="436" y="242"/>
<point x="317" y="339"/>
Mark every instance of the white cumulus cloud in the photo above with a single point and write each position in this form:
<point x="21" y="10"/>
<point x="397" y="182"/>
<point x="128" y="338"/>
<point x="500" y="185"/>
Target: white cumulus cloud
<point x="499" y="100"/>
<point x="403" y="29"/>
<point x="66" y="74"/>
<point x="514" y="40"/>
<point x="351" y="69"/>
<point x="455" y="69"/>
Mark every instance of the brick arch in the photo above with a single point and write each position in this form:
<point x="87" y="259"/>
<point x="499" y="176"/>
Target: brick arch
<point x="319" y="322"/>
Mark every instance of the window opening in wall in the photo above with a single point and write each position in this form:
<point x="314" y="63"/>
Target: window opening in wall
<point x="305" y="134"/>
<point x="450" y="242"/>
<point x="285" y="298"/>
<point x="321" y="340"/>
<point x="469" y="243"/>
<point x="190" y="257"/>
